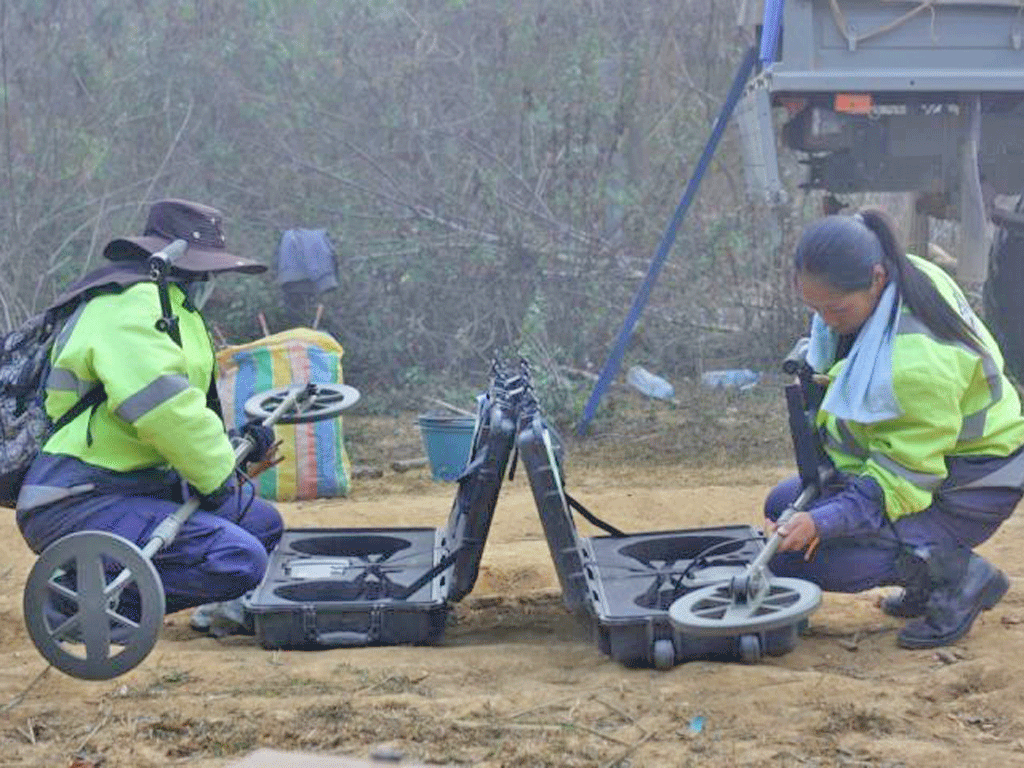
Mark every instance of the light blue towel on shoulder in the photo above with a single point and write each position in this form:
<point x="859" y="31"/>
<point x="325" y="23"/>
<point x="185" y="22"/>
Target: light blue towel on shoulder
<point x="863" y="390"/>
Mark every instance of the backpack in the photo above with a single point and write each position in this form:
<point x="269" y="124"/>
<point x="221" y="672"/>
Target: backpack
<point x="24" y="424"/>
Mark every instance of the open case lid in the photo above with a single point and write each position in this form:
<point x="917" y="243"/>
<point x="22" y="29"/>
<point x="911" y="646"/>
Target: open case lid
<point x="542" y="453"/>
<point x="473" y="507"/>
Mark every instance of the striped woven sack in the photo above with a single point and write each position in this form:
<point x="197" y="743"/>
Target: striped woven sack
<point x="316" y="464"/>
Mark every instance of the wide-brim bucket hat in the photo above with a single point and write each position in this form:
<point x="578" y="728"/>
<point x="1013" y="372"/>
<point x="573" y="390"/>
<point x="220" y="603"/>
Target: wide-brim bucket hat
<point x="198" y="225"/>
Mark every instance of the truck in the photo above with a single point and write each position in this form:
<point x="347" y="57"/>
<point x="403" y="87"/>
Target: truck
<point x="924" y="97"/>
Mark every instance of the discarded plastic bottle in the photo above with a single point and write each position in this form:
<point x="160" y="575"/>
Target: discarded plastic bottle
<point x="647" y="383"/>
<point x="740" y="379"/>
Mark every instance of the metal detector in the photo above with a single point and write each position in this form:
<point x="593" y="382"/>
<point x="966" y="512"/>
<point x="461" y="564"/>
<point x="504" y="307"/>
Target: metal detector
<point x="751" y="602"/>
<point x="88" y="571"/>
<point x="756" y="601"/>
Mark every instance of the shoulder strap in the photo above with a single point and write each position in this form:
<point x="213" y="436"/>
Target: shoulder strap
<point x="168" y="322"/>
<point x="213" y="397"/>
<point x="90" y="399"/>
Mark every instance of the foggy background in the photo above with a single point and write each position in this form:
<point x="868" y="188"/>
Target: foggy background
<point x="496" y="176"/>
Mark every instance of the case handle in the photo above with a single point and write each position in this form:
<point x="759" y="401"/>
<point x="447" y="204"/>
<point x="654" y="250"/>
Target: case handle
<point x="341" y="639"/>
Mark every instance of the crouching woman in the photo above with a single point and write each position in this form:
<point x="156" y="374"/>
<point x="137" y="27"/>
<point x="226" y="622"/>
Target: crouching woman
<point x="921" y="423"/>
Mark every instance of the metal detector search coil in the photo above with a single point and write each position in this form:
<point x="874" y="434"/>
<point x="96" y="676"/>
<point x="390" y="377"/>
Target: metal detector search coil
<point x="751" y="602"/>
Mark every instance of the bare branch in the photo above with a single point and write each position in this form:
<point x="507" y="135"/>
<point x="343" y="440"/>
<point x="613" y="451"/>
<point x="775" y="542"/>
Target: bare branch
<point x="169" y="153"/>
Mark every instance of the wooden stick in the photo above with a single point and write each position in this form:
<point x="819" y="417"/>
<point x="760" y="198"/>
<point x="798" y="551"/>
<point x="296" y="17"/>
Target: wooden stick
<point x="361" y="472"/>
<point x="579" y="372"/>
<point x="29" y="733"/>
<point x="263" y="323"/>
<point x="629" y="751"/>
<point x="404" y="465"/>
<point x="220" y="335"/>
<point x="599" y="734"/>
<point x="264" y="466"/>
<point x="319" y="314"/>
<point x="614" y="709"/>
<point x="545" y="705"/>
<point x="93" y="732"/>
<point x="451" y="407"/>
<point x="555" y="726"/>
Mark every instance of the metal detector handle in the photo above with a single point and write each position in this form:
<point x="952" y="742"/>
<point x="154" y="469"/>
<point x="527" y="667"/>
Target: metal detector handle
<point x="812" y="463"/>
<point x="807" y="495"/>
<point x="159" y="265"/>
<point x="797" y="357"/>
<point x="161" y="262"/>
<point x="795" y="364"/>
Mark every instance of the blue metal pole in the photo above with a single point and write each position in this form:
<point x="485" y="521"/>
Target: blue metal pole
<point x="770" y="26"/>
<point x="614" y="360"/>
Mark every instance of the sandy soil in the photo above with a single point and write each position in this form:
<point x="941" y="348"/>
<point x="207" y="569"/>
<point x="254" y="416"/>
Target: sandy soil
<point x="519" y="682"/>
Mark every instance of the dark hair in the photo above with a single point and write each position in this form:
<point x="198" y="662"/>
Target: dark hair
<point x="843" y="250"/>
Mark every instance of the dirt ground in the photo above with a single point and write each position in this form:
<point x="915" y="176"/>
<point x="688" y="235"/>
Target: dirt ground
<point x="519" y="682"/>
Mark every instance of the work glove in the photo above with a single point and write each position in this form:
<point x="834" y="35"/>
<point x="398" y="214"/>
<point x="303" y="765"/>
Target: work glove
<point x="262" y="442"/>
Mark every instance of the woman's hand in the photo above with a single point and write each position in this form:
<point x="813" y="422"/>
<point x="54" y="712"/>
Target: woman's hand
<point x="796" y="533"/>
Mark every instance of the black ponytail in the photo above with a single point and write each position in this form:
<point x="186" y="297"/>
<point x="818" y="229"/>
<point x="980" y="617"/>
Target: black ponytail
<point x="916" y="288"/>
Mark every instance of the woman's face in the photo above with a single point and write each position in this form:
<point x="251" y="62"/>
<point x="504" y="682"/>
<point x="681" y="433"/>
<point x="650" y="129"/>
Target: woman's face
<point x="843" y="311"/>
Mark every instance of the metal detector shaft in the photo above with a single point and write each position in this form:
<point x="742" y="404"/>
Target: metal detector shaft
<point x="165" y="532"/>
<point x="768" y="552"/>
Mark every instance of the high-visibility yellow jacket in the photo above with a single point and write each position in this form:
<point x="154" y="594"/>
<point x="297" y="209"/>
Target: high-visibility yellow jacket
<point x="954" y="402"/>
<point x="155" y="413"/>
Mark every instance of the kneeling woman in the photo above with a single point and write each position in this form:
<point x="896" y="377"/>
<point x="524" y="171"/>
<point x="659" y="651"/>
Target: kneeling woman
<point x="922" y="425"/>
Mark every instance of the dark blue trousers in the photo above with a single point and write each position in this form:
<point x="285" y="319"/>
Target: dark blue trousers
<point x="218" y="555"/>
<point x="960" y="518"/>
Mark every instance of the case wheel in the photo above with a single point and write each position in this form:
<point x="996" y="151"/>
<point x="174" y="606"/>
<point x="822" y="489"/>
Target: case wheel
<point x="750" y="649"/>
<point x="664" y="653"/>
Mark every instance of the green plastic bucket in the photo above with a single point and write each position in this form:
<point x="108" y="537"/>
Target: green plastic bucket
<point x="448" y="441"/>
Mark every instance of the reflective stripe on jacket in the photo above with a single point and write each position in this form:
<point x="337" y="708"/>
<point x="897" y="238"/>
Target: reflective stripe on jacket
<point x="954" y="403"/>
<point x="155" y="413"/>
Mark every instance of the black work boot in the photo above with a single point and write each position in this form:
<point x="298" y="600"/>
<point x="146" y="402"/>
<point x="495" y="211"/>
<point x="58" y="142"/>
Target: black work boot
<point x="964" y="585"/>
<point x="914" y="576"/>
<point x="905" y="604"/>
